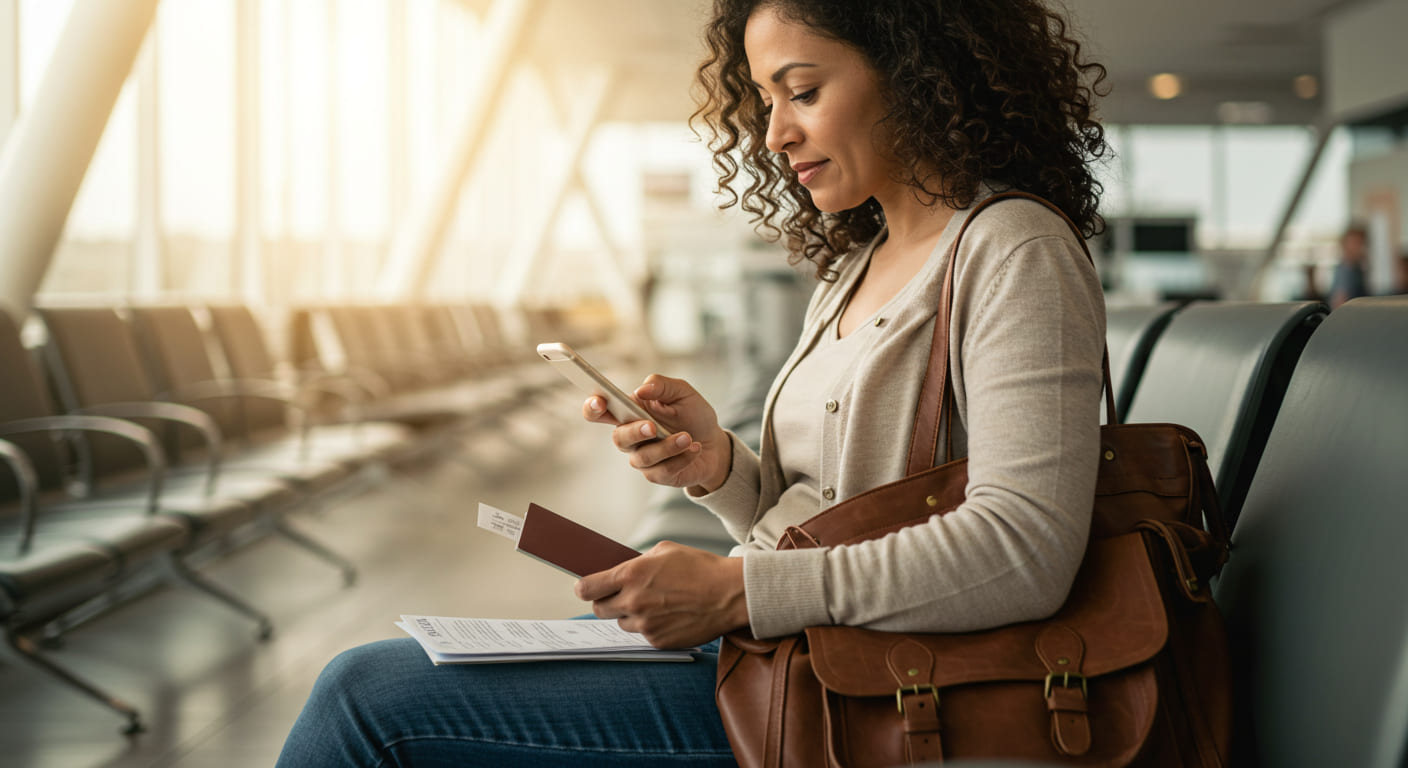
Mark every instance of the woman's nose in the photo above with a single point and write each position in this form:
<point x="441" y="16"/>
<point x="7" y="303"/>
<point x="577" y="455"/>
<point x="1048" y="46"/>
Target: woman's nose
<point x="782" y="130"/>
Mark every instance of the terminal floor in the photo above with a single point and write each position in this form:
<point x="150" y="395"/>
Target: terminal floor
<point x="212" y="696"/>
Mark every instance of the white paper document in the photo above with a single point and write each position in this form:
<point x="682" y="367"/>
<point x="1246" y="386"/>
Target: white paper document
<point x="500" y="522"/>
<point x="466" y="641"/>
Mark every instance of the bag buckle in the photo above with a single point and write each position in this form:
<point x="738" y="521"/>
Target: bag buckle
<point x="1066" y="683"/>
<point x="900" y="692"/>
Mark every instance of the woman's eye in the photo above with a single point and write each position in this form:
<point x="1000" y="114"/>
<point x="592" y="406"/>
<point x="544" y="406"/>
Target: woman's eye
<point x="806" y="97"/>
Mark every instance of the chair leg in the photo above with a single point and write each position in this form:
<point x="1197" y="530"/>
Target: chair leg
<point x="190" y="578"/>
<point x="29" y="651"/>
<point x="349" y="571"/>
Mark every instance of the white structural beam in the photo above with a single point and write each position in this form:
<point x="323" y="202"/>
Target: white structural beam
<point x="398" y="83"/>
<point x="334" y="272"/>
<point x="419" y="238"/>
<point x="248" y="253"/>
<point x="53" y="141"/>
<point x="9" y="65"/>
<point x="145" y="276"/>
<point x="527" y="251"/>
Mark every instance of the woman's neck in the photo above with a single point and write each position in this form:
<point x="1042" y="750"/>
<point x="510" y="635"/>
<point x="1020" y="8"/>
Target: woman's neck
<point x="911" y="224"/>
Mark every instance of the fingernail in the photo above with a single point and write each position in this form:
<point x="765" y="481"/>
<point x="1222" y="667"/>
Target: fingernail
<point x="595" y="405"/>
<point x="647" y="389"/>
<point x="682" y="441"/>
<point x="647" y="430"/>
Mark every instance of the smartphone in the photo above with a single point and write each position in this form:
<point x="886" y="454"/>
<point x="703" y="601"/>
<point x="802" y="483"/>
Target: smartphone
<point x="580" y="372"/>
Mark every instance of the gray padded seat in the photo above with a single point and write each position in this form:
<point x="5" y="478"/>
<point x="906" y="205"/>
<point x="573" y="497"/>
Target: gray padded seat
<point x="1221" y="370"/>
<point x="1314" y="589"/>
<point x="63" y="573"/>
<point x="1130" y="334"/>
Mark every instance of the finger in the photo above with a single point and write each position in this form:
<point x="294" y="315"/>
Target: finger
<point x="597" y="586"/>
<point x="648" y="455"/>
<point x="630" y="623"/>
<point x="607" y="609"/>
<point x="632" y="434"/>
<point x="594" y="410"/>
<point x="664" y="389"/>
<point x="679" y="471"/>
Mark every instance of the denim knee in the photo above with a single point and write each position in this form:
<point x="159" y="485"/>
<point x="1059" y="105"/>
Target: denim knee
<point x="367" y="674"/>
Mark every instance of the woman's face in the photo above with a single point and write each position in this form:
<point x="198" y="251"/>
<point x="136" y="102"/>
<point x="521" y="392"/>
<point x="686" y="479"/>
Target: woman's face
<point x="825" y="104"/>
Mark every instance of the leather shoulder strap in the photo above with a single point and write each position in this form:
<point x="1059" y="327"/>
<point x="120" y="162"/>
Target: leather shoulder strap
<point x="935" y="395"/>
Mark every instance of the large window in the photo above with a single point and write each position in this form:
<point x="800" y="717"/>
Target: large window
<point x="1233" y="184"/>
<point x="353" y="109"/>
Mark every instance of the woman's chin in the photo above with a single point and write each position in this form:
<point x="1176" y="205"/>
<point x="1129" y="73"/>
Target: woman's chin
<point x="834" y="203"/>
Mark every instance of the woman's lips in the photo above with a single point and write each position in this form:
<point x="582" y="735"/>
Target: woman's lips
<point x="808" y="171"/>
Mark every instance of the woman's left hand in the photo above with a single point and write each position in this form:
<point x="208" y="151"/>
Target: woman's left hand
<point x="676" y="596"/>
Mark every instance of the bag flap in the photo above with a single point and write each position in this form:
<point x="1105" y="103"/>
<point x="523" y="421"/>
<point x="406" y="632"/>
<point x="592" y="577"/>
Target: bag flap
<point x="1150" y="458"/>
<point x="1115" y="608"/>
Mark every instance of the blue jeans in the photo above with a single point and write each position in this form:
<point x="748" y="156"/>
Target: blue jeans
<point x="385" y="704"/>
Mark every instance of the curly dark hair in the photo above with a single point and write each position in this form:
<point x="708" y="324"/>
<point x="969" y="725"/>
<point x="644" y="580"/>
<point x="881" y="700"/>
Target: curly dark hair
<point x="976" y="90"/>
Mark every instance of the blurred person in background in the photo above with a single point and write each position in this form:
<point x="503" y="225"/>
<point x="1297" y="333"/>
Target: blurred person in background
<point x="1350" y="278"/>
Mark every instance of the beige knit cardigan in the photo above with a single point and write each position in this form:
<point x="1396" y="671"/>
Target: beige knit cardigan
<point x="1025" y="349"/>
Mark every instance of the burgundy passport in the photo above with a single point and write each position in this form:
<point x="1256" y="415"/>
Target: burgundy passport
<point x="574" y="548"/>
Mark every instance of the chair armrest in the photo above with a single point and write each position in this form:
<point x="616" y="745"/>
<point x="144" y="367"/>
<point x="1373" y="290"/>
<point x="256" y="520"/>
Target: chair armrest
<point x="27" y="480"/>
<point x="143" y="437"/>
<point x="294" y="395"/>
<point x="249" y="389"/>
<point x="352" y="395"/>
<point x="184" y="415"/>
<point x="372" y="381"/>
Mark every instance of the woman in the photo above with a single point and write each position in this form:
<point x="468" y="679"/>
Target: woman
<point x="868" y="129"/>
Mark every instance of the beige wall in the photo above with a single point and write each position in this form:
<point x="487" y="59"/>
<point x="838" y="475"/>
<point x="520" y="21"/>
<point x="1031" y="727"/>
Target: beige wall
<point x="1366" y="71"/>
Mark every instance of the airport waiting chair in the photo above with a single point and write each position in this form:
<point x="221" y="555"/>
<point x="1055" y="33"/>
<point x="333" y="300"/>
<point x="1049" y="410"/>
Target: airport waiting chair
<point x="482" y="329"/>
<point x="399" y="391"/>
<point x="44" y="573"/>
<point x="1313" y="590"/>
<point x="256" y="411"/>
<point x="386" y="340"/>
<point x="244" y="346"/>
<point x="60" y="556"/>
<point x="98" y="369"/>
<point x="1130" y="333"/>
<point x="1221" y="369"/>
<point x="367" y="344"/>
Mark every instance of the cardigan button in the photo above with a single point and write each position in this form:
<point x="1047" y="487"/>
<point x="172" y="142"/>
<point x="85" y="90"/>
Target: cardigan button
<point x="831" y="406"/>
<point x="828" y="493"/>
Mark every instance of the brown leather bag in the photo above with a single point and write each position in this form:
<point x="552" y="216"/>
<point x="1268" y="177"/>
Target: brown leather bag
<point x="1133" y="670"/>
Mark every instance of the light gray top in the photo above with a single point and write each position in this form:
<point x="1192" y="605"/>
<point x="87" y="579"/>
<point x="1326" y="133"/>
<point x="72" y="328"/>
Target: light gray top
<point x="1025" y="349"/>
<point x="802" y="407"/>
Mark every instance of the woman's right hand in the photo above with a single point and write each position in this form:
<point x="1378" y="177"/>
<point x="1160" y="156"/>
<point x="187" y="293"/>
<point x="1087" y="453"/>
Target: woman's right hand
<point x="697" y="457"/>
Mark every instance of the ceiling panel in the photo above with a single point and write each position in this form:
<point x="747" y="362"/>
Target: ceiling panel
<point x="1226" y="50"/>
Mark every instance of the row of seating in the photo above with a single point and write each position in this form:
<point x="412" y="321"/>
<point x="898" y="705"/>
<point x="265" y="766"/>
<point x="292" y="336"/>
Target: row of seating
<point x="138" y="444"/>
<point x="1306" y="418"/>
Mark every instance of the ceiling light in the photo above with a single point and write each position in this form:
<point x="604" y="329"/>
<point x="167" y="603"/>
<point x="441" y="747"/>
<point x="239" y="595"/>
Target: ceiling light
<point x="1165" y="86"/>
<point x="1306" y="86"/>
